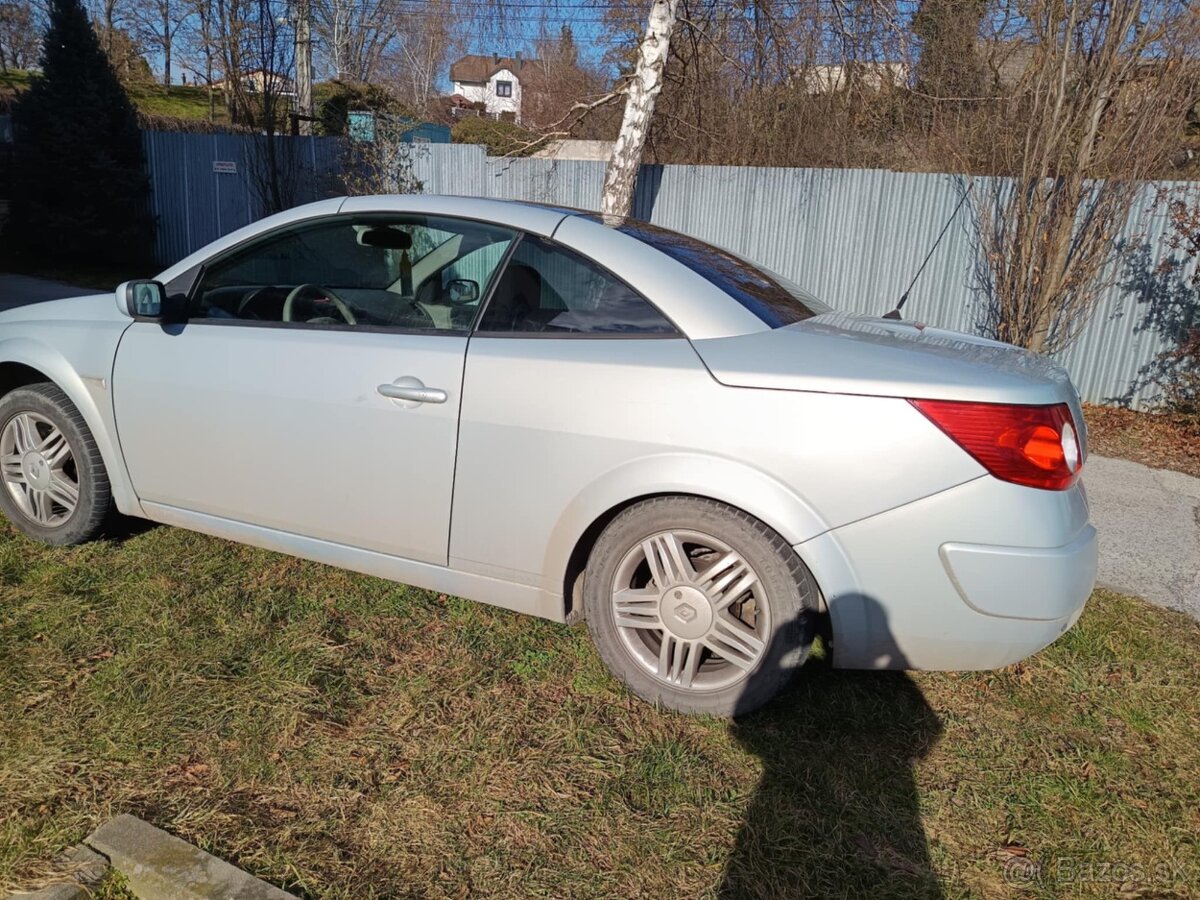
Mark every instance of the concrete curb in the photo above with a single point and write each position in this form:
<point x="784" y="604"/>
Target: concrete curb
<point x="83" y="865"/>
<point x="160" y="866"/>
<point x="156" y="865"/>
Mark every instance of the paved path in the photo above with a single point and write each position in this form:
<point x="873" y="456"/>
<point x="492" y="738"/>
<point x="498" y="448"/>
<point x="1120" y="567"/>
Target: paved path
<point x="17" y="290"/>
<point x="1149" y="524"/>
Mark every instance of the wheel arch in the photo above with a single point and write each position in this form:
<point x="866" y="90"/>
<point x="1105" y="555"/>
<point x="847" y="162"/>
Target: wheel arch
<point x="731" y="482"/>
<point x="14" y="375"/>
<point x="22" y="358"/>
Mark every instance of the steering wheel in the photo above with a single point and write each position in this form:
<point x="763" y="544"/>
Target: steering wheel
<point x="324" y="292"/>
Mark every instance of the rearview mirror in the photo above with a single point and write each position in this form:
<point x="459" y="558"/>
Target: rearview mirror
<point x="460" y="290"/>
<point x="142" y="299"/>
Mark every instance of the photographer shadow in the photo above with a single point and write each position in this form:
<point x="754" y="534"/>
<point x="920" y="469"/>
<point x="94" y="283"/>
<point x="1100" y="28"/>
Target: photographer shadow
<point x="836" y="812"/>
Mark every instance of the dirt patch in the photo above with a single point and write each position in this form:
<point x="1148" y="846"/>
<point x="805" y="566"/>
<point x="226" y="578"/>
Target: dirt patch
<point x="1158" y="441"/>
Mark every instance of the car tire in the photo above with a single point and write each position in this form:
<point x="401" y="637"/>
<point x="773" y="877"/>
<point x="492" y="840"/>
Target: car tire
<point x="47" y="514"/>
<point x="699" y="607"/>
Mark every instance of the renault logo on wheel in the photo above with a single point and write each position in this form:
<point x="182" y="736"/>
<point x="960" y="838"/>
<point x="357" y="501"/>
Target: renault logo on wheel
<point x="684" y="613"/>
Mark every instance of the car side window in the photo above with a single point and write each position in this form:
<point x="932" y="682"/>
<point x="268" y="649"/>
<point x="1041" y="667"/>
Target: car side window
<point x="407" y="272"/>
<point x="548" y="289"/>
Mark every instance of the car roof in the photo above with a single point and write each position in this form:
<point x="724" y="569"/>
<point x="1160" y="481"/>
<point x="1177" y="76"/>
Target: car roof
<point x="532" y="217"/>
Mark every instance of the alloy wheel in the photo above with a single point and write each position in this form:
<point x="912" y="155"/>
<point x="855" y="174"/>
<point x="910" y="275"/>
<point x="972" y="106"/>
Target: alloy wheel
<point x="690" y="610"/>
<point x="38" y="469"/>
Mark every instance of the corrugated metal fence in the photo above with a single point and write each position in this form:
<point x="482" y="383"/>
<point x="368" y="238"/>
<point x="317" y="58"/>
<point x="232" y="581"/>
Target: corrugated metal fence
<point x="853" y="237"/>
<point x="205" y="185"/>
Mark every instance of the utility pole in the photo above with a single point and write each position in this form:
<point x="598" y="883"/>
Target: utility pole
<point x="304" y="70"/>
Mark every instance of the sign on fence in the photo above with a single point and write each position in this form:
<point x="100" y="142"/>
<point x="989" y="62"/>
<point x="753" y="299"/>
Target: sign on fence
<point x="224" y="166"/>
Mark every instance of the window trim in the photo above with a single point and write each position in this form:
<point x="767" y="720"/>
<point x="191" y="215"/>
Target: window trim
<point x="199" y="271"/>
<point x="675" y="334"/>
<point x="507" y="83"/>
<point x="323" y="326"/>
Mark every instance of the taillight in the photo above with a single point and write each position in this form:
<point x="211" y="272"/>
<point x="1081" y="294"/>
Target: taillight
<point x="1031" y="445"/>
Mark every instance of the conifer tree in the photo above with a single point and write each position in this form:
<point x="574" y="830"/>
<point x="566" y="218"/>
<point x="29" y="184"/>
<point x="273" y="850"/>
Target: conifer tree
<point x="80" y="189"/>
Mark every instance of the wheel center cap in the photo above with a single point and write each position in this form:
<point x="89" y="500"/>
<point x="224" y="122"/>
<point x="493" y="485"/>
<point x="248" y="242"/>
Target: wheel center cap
<point x="686" y="612"/>
<point x="36" y="470"/>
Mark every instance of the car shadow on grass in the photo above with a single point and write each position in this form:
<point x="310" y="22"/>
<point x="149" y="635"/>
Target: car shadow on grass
<point x="120" y="528"/>
<point x="836" y="812"/>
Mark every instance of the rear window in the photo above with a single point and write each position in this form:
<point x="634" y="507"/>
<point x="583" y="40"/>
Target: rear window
<point x="773" y="298"/>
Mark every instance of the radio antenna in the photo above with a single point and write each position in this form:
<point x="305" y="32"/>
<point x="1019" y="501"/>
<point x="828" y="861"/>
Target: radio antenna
<point x="895" y="313"/>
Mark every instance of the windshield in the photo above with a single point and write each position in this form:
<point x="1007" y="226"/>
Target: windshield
<point x="776" y="300"/>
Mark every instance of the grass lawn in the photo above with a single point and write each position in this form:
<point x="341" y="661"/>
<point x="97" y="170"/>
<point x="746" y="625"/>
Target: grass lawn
<point x="181" y="101"/>
<point x="178" y="101"/>
<point x="348" y="737"/>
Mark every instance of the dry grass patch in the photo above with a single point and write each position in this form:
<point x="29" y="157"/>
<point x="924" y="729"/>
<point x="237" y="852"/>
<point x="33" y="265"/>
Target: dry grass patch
<point x="343" y="736"/>
<point x="1159" y="441"/>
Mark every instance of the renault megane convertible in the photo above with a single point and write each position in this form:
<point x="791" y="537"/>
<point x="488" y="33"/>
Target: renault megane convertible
<point x="572" y="417"/>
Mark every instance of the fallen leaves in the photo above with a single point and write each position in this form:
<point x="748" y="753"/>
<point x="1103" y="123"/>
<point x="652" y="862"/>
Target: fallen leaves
<point x="1157" y="441"/>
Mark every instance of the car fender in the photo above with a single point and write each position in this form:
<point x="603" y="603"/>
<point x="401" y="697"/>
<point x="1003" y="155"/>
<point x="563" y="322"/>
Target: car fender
<point x="89" y="388"/>
<point x="716" y="478"/>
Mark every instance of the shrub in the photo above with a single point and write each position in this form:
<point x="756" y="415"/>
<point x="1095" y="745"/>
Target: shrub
<point x="500" y="137"/>
<point x="1177" y="374"/>
<point x="340" y="98"/>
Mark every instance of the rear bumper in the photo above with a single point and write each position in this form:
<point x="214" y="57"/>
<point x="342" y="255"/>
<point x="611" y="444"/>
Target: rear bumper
<point x="1024" y="582"/>
<point x="977" y="577"/>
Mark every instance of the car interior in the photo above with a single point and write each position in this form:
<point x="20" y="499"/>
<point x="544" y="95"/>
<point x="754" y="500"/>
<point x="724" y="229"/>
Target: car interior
<point x="420" y="274"/>
<point x="399" y="276"/>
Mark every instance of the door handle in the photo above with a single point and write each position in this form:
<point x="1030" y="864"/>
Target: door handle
<point x="414" y="393"/>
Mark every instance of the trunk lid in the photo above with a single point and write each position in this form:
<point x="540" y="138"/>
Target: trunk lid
<point x="847" y="354"/>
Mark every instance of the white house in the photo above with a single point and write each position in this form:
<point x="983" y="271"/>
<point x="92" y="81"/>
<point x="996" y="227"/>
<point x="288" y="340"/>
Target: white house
<point x="257" y="81"/>
<point x="494" y="81"/>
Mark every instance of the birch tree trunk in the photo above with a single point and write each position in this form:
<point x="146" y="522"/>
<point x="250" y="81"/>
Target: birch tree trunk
<point x="640" y="95"/>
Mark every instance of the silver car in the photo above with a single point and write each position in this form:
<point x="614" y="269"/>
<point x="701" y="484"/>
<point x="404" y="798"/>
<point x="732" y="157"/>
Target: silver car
<point x="571" y="417"/>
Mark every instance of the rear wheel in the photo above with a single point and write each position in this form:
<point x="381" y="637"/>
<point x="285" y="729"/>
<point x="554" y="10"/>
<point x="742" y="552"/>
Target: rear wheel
<point x="698" y="606"/>
<point x="53" y="486"/>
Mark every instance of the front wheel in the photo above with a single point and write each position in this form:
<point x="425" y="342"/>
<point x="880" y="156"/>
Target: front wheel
<point x="53" y="486"/>
<point x="698" y="606"/>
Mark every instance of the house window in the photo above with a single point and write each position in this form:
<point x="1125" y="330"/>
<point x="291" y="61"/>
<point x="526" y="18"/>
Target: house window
<point x="503" y="88"/>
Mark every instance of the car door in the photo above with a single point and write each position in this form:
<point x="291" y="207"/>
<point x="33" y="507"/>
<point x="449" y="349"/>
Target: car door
<point x="308" y="391"/>
<point x="565" y="365"/>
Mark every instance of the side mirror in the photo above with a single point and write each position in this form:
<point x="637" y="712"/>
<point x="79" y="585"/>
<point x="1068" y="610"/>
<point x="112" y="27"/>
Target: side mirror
<point x="460" y="290"/>
<point x="142" y="299"/>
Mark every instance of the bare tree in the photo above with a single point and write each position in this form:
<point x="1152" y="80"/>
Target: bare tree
<point x="201" y="51"/>
<point x="233" y="38"/>
<point x="20" y="39"/>
<point x="641" y="92"/>
<point x="948" y="31"/>
<point x="556" y="79"/>
<point x="355" y="33"/>
<point x="267" y="90"/>
<point x="385" y="164"/>
<point x="779" y="83"/>
<point x="1098" y="110"/>
<point x="124" y="53"/>
<point x="419" y="52"/>
<point x="108" y="16"/>
<point x="159" y="23"/>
